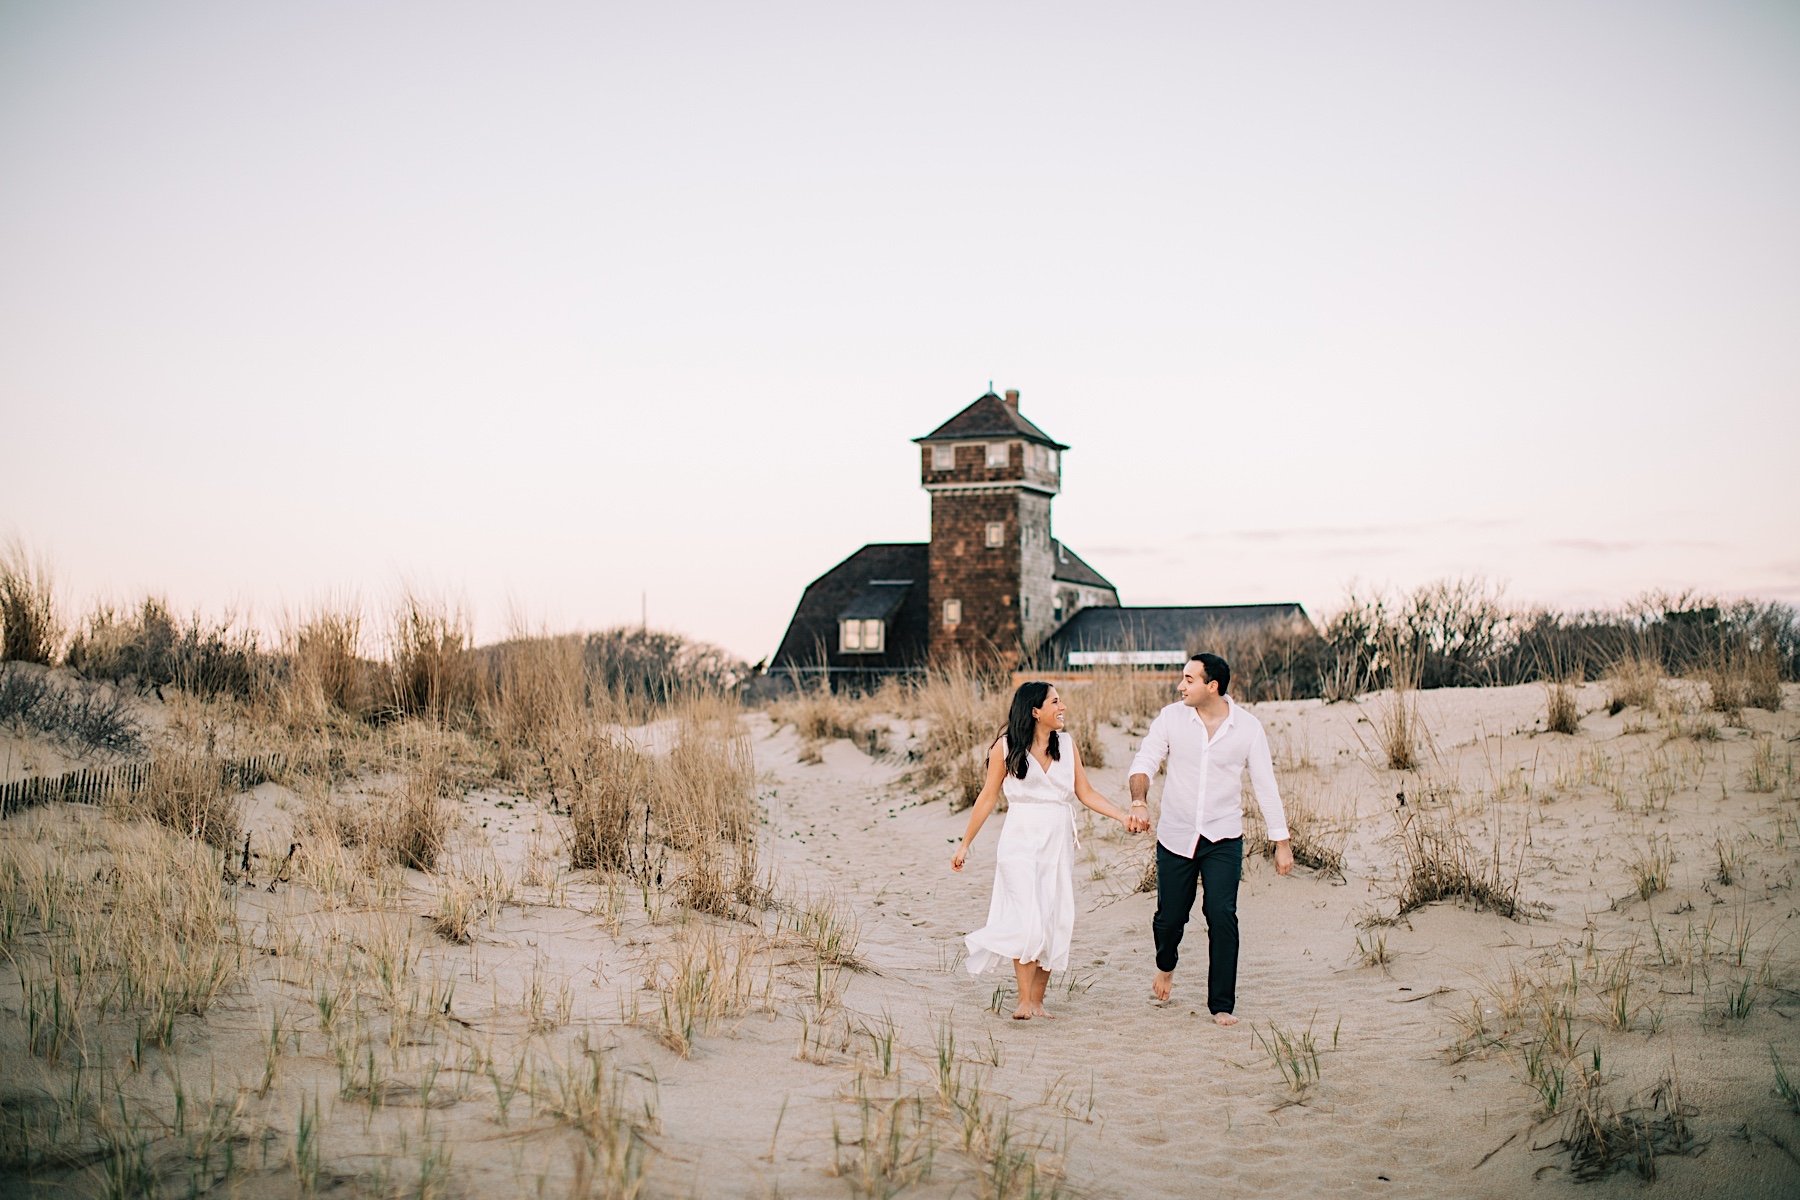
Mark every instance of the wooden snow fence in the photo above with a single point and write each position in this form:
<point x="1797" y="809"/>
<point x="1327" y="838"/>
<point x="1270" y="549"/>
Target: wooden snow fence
<point x="91" y="785"/>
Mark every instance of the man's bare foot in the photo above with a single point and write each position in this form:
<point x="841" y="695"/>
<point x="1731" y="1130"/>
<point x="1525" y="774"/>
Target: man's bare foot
<point x="1161" y="985"/>
<point x="1224" y="1019"/>
<point x="1022" y="1013"/>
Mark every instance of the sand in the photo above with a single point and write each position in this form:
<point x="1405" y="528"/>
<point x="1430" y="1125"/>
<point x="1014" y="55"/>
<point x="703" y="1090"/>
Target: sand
<point x="830" y="1080"/>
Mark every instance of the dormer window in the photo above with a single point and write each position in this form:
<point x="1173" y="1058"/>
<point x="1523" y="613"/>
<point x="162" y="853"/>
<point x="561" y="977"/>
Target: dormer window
<point x="943" y="457"/>
<point x="861" y="636"/>
<point x="999" y="454"/>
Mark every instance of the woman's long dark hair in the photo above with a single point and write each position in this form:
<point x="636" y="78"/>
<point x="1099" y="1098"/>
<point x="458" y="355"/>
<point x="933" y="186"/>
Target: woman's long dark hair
<point x="1021" y="727"/>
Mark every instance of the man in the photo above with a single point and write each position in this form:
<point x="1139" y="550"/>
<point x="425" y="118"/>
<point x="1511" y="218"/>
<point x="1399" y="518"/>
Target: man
<point x="1209" y="742"/>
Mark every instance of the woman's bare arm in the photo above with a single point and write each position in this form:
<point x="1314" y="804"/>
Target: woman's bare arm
<point x="1084" y="792"/>
<point x="984" y="803"/>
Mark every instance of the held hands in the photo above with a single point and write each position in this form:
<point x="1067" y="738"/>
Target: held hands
<point x="1137" y="819"/>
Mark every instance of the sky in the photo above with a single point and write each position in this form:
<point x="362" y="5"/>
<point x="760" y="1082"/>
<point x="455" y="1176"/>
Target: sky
<point x="562" y="313"/>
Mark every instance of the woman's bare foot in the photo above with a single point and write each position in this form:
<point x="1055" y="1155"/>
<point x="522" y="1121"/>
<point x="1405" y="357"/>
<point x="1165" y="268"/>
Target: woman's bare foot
<point x="1022" y="1013"/>
<point x="1038" y="1011"/>
<point x="1224" y="1019"/>
<point x="1161" y="985"/>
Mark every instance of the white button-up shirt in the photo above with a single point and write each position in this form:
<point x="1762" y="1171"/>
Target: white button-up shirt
<point x="1203" y="794"/>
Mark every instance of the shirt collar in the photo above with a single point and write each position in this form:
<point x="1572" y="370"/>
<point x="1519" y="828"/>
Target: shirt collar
<point x="1230" y="714"/>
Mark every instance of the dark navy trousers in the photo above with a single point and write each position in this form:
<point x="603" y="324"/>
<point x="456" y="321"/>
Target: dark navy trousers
<point x="1214" y="871"/>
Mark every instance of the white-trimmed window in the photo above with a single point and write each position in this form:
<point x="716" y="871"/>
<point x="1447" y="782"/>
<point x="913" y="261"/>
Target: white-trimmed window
<point x="1055" y="457"/>
<point x="1024" y="607"/>
<point x="943" y="456"/>
<point x="996" y="533"/>
<point x="860" y="637"/>
<point x="999" y="454"/>
<point x="953" y="612"/>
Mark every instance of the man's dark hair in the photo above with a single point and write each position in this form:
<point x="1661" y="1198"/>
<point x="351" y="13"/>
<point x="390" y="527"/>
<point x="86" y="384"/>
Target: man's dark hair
<point x="1217" y="669"/>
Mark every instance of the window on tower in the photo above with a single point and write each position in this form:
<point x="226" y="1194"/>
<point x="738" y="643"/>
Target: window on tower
<point x="999" y="454"/>
<point x="996" y="533"/>
<point x="953" y="612"/>
<point x="943" y="457"/>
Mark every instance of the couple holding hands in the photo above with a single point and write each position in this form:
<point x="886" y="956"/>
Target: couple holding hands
<point x="1208" y="742"/>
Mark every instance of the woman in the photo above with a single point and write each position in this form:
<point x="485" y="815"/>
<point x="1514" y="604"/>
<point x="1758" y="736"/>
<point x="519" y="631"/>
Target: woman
<point x="1032" y="915"/>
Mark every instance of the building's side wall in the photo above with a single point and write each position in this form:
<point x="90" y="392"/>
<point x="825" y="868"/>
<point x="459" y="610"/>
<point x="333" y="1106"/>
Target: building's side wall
<point x="1037" y="588"/>
<point x="984" y="578"/>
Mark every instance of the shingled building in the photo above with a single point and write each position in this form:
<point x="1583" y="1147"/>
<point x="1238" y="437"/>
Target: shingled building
<point x="992" y="584"/>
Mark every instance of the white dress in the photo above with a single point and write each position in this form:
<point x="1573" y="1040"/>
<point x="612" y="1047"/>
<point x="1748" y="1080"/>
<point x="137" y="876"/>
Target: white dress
<point x="1032" y="915"/>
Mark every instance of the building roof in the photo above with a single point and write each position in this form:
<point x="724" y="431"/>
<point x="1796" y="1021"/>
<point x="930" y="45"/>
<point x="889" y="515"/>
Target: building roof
<point x="1154" y="634"/>
<point x="882" y="581"/>
<point x="877" y="601"/>
<point x="989" y="416"/>
<point x="1070" y="568"/>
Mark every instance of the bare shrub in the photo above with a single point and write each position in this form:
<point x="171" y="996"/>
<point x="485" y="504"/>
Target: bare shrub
<point x="1272" y="660"/>
<point x="184" y="790"/>
<point x="648" y="667"/>
<point x="69" y="712"/>
<point x="149" y="648"/>
<point x="30" y="630"/>
<point x="1354" y="640"/>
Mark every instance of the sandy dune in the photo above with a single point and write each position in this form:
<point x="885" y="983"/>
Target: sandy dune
<point x="904" y="1076"/>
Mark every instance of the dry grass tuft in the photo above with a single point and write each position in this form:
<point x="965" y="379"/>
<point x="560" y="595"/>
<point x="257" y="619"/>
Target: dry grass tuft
<point x="1440" y="862"/>
<point x="432" y="672"/>
<point x="109" y="920"/>
<point x="1636" y="680"/>
<point x="324" y="670"/>
<point x="1743" y="678"/>
<point x="185" y="791"/>
<point x="1397" y="729"/>
<point x="965" y="714"/>
<point x="1317" y="838"/>
<point x="1560" y="713"/>
<point x="30" y="630"/>
<point x="609" y="784"/>
<point x="1600" y="1139"/>
<point x="1125" y="698"/>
